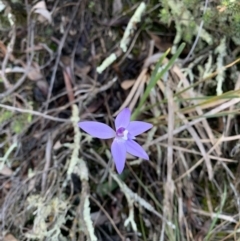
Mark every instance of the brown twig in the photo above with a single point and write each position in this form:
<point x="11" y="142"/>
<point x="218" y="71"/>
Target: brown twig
<point x="59" y="52"/>
<point x="32" y="112"/>
<point x="68" y="83"/>
<point x="22" y="79"/>
<point x="9" y="51"/>
<point x="48" y="154"/>
<point x="109" y="218"/>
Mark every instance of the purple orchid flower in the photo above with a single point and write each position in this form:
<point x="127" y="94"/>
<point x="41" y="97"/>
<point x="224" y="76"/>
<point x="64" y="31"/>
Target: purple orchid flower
<point x="124" y="136"/>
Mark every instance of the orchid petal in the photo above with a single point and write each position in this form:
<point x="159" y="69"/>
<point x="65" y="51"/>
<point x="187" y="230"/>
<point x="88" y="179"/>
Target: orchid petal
<point x="119" y="152"/>
<point x="97" y="129"/>
<point x="135" y="149"/>
<point x="123" y="118"/>
<point x="137" y="127"/>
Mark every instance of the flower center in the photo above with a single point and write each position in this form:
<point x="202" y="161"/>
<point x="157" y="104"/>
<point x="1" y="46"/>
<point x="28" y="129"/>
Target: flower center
<point x="122" y="133"/>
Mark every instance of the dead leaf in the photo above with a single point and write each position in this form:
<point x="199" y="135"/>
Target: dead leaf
<point x="57" y="145"/>
<point x="34" y="74"/>
<point x="32" y="184"/>
<point x="6" y="171"/>
<point x="129" y="156"/>
<point x="137" y="83"/>
<point x="98" y="218"/>
<point x="82" y="70"/>
<point x="9" y="237"/>
<point x="126" y="84"/>
<point x="7" y="185"/>
<point x="221" y="8"/>
<point x="159" y="43"/>
<point x="43" y="86"/>
<point x="41" y="9"/>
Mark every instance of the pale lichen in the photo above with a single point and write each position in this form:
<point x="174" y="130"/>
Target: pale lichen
<point x="88" y="220"/>
<point x="208" y="68"/>
<point x="136" y="18"/>
<point x="127" y="36"/>
<point x="78" y="166"/>
<point x="76" y="143"/>
<point x="130" y="219"/>
<point x="183" y="21"/>
<point x="107" y="62"/>
<point x="55" y="210"/>
<point x="221" y="51"/>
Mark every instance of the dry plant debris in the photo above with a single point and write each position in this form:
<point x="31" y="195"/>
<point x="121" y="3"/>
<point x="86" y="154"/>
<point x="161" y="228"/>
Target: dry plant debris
<point x="68" y="61"/>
